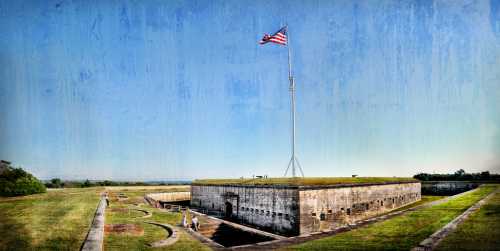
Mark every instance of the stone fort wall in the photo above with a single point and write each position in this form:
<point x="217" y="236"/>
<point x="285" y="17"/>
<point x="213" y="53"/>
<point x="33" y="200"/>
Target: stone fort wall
<point x="273" y="209"/>
<point x="328" y="208"/>
<point x="301" y="210"/>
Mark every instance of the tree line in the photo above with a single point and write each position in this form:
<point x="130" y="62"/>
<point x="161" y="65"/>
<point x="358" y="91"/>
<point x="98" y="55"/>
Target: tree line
<point x="58" y="183"/>
<point x="16" y="182"/>
<point x="459" y="175"/>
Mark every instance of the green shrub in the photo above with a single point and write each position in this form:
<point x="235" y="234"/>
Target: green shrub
<point x="17" y="182"/>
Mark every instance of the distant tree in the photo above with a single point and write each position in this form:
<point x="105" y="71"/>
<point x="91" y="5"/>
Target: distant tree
<point x="86" y="183"/>
<point x="17" y="182"/>
<point x="108" y="183"/>
<point x="56" y="183"/>
<point x="485" y="175"/>
<point x="422" y="176"/>
<point x="459" y="172"/>
<point x="459" y="175"/>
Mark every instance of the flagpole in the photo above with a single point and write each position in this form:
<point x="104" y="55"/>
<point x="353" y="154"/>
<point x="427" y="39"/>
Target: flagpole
<point x="293" y="160"/>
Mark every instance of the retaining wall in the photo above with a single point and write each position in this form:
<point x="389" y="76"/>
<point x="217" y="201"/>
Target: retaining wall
<point x="447" y="187"/>
<point x="169" y="197"/>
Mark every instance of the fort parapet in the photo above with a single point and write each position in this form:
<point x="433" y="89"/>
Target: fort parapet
<point x="296" y="207"/>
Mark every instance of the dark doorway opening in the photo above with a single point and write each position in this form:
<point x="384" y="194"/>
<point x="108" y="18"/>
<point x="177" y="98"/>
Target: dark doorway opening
<point x="229" y="210"/>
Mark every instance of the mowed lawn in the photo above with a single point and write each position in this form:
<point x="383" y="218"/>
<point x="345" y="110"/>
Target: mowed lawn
<point x="122" y="212"/>
<point x="56" y="220"/>
<point x="401" y="232"/>
<point x="481" y="231"/>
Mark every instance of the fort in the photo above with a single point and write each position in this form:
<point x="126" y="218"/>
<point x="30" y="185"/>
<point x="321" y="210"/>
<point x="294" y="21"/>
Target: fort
<point x="297" y="206"/>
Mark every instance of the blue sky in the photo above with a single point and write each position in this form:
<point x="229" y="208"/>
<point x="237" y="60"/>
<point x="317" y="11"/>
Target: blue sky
<point x="145" y="90"/>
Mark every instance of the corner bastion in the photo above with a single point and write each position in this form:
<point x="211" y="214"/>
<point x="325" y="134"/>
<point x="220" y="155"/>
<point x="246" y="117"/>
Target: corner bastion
<point x="297" y="206"/>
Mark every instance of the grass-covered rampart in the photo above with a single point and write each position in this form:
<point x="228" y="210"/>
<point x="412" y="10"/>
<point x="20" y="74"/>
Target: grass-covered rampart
<point x="309" y="181"/>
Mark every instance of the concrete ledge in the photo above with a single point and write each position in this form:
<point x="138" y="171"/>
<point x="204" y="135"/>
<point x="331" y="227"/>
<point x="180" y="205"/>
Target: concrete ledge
<point x="172" y="235"/>
<point x="95" y="236"/>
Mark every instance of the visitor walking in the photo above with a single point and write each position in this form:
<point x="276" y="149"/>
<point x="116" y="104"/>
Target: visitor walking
<point x="107" y="199"/>
<point x="184" y="220"/>
<point x="195" y="223"/>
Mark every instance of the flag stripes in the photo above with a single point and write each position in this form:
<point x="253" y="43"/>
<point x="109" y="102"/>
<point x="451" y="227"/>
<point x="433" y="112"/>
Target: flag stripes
<point x="278" y="38"/>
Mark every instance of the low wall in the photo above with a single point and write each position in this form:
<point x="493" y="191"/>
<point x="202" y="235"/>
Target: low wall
<point x="170" y="196"/>
<point x="447" y="187"/>
<point x="95" y="236"/>
<point x="157" y="199"/>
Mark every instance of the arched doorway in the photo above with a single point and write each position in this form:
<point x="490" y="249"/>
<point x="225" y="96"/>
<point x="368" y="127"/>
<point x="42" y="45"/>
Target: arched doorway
<point x="229" y="209"/>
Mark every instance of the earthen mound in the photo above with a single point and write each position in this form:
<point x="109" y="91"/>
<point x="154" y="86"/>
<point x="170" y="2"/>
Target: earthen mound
<point x="127" y="229"/>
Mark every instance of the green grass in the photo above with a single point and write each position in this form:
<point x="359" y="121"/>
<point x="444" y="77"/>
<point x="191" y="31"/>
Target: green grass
<point x="60" y="220"/>
<point x="401" y="232"/>
<point x="310" y="181"/>
<point x="56" y="220"/>
<point x="152" y="233"/>
<point x="481" y="231"/>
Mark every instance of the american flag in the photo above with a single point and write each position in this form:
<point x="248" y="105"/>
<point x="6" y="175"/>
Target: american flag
<point x="279" y="37"/>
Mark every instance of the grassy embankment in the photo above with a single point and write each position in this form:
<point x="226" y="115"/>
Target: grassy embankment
<point x="401" y="232"/>
<point x="60" y="220"/>
<point x="481" y="231"/>
<point x="310" y="181"/>
<point x="116" y="241"/>
<point x="56" y="220"/>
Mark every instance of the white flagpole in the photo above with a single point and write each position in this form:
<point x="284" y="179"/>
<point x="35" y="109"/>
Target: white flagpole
<point x="293" y="160"/>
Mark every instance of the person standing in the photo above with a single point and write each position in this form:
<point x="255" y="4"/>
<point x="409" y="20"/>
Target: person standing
<point x="107" y="199"/>
<point x="184" y="220"/>
<point x="195" y="223"/>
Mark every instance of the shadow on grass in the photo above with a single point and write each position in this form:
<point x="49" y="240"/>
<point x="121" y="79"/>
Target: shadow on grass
<point x="15" y="235"/>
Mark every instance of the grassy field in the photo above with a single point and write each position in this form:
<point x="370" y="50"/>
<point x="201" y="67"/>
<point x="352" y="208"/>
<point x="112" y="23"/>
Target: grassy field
<point x="56" y="220"/>
<point x="60" y="220"/>
<point x="401" y="232"/>
<point x="310" y="181"/>
<point x="120" y="241"/>
<point x="481" y="231"/>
